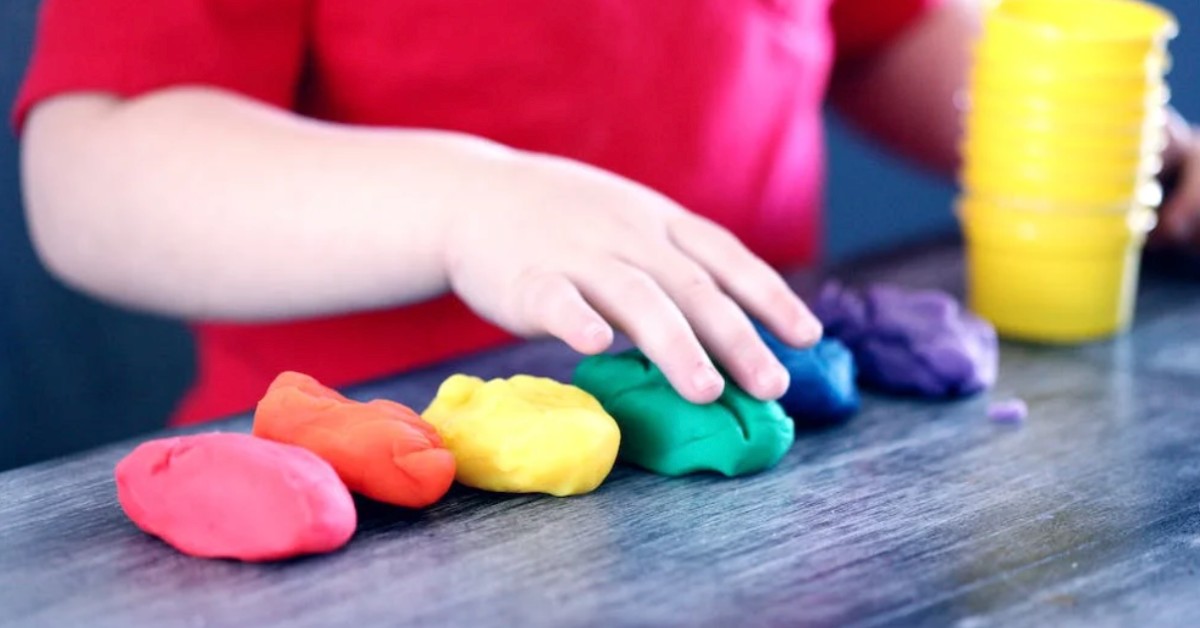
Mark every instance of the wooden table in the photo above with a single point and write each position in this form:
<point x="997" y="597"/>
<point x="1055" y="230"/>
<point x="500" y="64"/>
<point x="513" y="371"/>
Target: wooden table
<point x="914" y="513"/>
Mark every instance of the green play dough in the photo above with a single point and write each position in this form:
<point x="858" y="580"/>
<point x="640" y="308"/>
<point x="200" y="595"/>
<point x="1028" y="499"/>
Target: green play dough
<point x="665" y="433"/>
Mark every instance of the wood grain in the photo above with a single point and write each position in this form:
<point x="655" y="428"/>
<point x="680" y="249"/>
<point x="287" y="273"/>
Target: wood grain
<point x="914" y="513"/>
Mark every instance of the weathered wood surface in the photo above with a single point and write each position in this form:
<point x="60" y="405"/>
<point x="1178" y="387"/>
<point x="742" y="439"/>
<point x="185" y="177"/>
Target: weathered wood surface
<point x="913" y="513"/>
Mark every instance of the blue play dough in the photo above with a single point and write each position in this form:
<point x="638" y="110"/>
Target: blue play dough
<point x="823" y="389"/>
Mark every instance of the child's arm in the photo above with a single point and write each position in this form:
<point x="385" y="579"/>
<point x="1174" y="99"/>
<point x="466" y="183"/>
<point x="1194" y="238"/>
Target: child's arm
<point x="907" y="93"/>
<point x="201" y="204"/>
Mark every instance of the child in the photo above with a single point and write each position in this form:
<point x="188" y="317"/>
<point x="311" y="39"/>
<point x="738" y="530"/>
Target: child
<point x="351" y="189"/>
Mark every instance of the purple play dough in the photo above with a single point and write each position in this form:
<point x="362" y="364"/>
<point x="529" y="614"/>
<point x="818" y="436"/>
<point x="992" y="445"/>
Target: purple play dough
<point x="1010" y="411"/>
<point x="911" y="342"/>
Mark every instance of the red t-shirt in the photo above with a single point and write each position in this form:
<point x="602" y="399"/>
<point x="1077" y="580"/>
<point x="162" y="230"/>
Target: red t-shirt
<point x="715" y="103"/>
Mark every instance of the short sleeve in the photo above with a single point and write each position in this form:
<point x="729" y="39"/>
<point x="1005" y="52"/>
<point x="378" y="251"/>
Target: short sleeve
<point x="131" y="47"/>
<point x="863" y="26"/>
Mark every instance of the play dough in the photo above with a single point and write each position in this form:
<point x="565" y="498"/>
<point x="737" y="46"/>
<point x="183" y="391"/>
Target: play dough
<point x="822" y="388"/>
<point x="380" y="448"/>
<point x="525" y="434"/>
<point x="235" y="496"/>
<point x="911" y="342"/>
<point x="664" y="433"/>
<point x="1008" y="411"/>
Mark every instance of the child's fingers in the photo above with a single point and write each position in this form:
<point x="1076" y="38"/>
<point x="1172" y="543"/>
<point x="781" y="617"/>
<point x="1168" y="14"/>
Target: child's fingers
<point x="721" y="325"/>
<point x="1180" y="215"/>
<point x="749" y="280"/>
<point x="551" y="301"/>
<point x="631" y="299"/>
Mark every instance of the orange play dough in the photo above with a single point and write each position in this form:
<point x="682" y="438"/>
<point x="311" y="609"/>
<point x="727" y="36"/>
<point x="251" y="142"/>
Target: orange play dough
<point x="380" y="449"/>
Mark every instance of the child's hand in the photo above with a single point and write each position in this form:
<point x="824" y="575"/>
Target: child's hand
<point x="1179" y="221"/>
<point x="564" y="249"/>
<point x="240" y="225"/>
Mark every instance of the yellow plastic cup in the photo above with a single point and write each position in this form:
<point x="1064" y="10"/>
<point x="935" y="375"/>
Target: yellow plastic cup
<point x="1061" y="163"/>
<point x="1054" y="189"/>
<point x="1132" y="174"/>
<point x="1028" y="111"/>
<point x="1059" y="86"/>
<point x="1060" y="277"/>
<point x="1034" y="157"/>
<point x="998" y="134"/>
<point x="1112" y="26"/>
<point x="1093" y="60"/>
<point x="1028" y="98"/>
<point x="1127" y="139"/>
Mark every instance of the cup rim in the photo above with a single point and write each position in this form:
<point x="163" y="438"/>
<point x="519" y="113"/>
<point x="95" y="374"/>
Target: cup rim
<point x="998" y="50"/>
<point x="1050" y="73"/>
<point x="1049" y="230"/>
<point x="1030" y="205"/>
<point x="1138" y="140"/>
<point x="975" y="91"/>
<point x="1000" y="13"/>
<point x="976" y="157"/>
<point x="1049" y="108"/>
<point x="1062" y="123"/>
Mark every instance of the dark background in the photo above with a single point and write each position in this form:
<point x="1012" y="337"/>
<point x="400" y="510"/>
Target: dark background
<point x="75" y="373"/>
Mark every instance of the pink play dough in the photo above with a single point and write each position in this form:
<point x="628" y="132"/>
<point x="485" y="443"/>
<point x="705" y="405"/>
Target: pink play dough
<point x="235" y="496"/>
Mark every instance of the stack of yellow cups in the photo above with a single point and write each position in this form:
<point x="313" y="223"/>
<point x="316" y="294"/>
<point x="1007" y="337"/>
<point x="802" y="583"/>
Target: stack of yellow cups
<point x="1064" y="135"/>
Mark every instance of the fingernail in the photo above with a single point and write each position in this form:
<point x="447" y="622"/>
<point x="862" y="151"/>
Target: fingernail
<point x="707" y="380"/>
<point x="595" y="332"/>
<point x="772" y="381"/>
<point x="812" y="330"/>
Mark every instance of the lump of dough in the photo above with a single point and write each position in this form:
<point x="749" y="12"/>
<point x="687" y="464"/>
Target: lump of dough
<point x="1008" y="411"/>
<point x="822" y="389"/>
<point x="380" y="448"/>
<point x="911" y="342"/>
<point x="235" y="496"/>
<point x="665" y="433"/>
<point x="525" y="434"/>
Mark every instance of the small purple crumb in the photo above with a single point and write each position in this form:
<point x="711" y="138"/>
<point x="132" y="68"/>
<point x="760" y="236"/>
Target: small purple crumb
<point x="1010" y="411"/>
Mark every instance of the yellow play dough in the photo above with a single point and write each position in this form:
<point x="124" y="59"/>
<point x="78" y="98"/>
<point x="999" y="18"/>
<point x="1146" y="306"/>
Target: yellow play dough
<point x="525" y="434"/>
